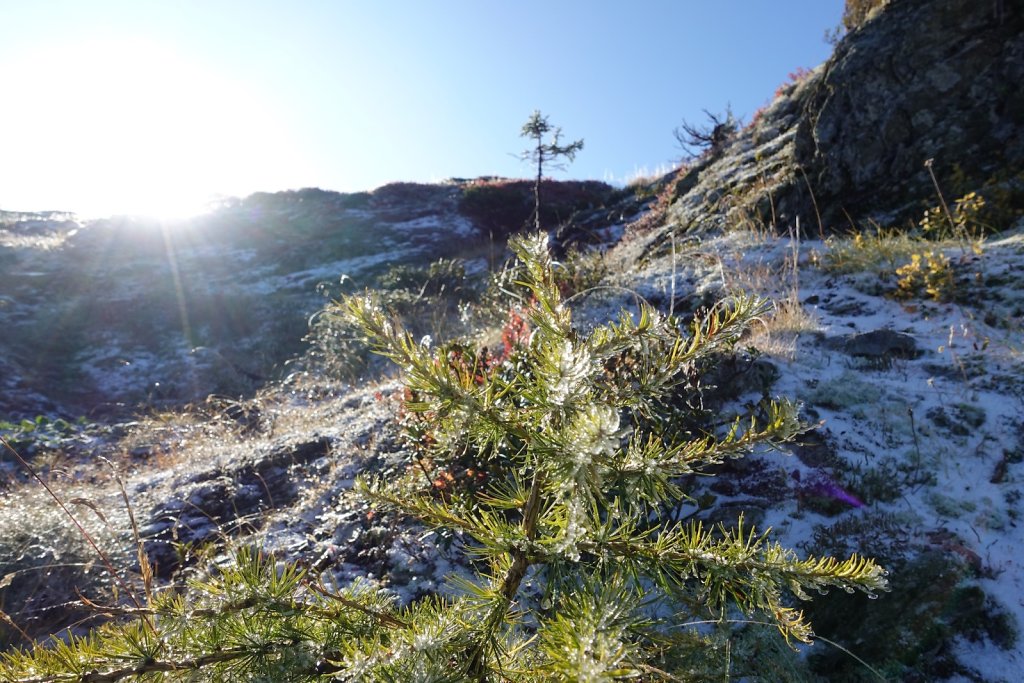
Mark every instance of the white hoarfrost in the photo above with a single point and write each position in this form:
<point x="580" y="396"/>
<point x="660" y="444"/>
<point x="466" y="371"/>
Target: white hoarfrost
<point x="594" y="433"/>
<point x="566" y="371"/>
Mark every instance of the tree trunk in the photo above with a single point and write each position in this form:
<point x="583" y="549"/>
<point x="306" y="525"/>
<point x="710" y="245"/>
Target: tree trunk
<point x="536" y="186"/>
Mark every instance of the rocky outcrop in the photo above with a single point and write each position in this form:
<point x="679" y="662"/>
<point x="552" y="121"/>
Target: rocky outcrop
<point x="925" y="79"/>
<point x="922" y="79"/>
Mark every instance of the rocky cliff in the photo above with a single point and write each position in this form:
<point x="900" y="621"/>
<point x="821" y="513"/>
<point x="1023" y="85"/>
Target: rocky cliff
<point x="919" y="80"/>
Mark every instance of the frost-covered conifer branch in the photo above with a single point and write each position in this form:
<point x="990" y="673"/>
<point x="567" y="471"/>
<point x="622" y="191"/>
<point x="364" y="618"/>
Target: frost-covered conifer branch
<point x="595" y="483"/>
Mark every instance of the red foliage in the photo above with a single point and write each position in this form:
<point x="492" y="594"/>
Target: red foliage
<point x="655" y="215"/>
<point x="796" y="76"/>
<point x="514" y="335"/>
<point x="757" y="116"/>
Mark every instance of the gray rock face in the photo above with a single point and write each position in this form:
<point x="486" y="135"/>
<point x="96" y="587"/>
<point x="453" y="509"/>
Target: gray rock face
<point x="924" y="79"/>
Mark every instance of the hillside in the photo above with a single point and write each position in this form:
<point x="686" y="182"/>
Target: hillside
<point x="199" y="371"/>
<point x="104" y="317"/>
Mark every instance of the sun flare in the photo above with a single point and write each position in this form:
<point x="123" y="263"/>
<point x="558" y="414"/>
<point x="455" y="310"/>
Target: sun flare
<point x="132" y="127"/>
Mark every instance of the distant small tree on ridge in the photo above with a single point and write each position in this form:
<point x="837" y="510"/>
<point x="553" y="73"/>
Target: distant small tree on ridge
<point x="545" y="154"/>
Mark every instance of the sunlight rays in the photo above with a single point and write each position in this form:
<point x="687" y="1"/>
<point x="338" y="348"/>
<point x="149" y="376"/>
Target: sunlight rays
<point x="127" y="126"/>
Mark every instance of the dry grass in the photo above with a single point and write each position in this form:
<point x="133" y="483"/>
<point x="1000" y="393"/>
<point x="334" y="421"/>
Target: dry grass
<point x="643" y="177"/>
<point x="779" y="332"/>
<point x="744" y="215"/>
<point x="45" y="560"/>
<point x="777" y="279"/>
<point x="869" y="252"/>
<point x="168" y="440"/>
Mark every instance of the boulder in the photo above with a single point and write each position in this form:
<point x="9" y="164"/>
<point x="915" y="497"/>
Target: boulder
<point x="879" y="345"/>
<point x="925" y="79"/>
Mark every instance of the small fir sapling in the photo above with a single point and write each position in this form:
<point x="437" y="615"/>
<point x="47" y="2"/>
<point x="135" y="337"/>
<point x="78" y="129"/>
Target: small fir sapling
<point x="570" y="536"/>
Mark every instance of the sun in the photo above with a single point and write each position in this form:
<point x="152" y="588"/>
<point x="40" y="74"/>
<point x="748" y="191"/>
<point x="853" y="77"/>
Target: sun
<point x="133" y="127"/>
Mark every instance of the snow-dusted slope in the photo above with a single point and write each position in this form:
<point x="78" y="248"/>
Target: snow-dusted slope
<point x="917" y="449"/>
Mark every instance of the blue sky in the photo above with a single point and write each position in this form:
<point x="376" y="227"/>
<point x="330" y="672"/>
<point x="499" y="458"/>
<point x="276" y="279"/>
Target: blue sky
<point x="156" y="106"/>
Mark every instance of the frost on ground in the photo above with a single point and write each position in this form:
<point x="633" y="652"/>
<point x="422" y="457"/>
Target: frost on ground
<point x="916" y="450"/>
<point x="913" y="456"/>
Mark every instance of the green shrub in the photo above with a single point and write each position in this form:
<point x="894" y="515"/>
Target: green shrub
<point x="31" y="437"/>
<point x="576" y="567"/>
<point x="444" y="276"/>
<point x="912" y="635"/>
<point x="334" y="349"/>
<point x="427" y="299"/>
<point x="580" y="271"/>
